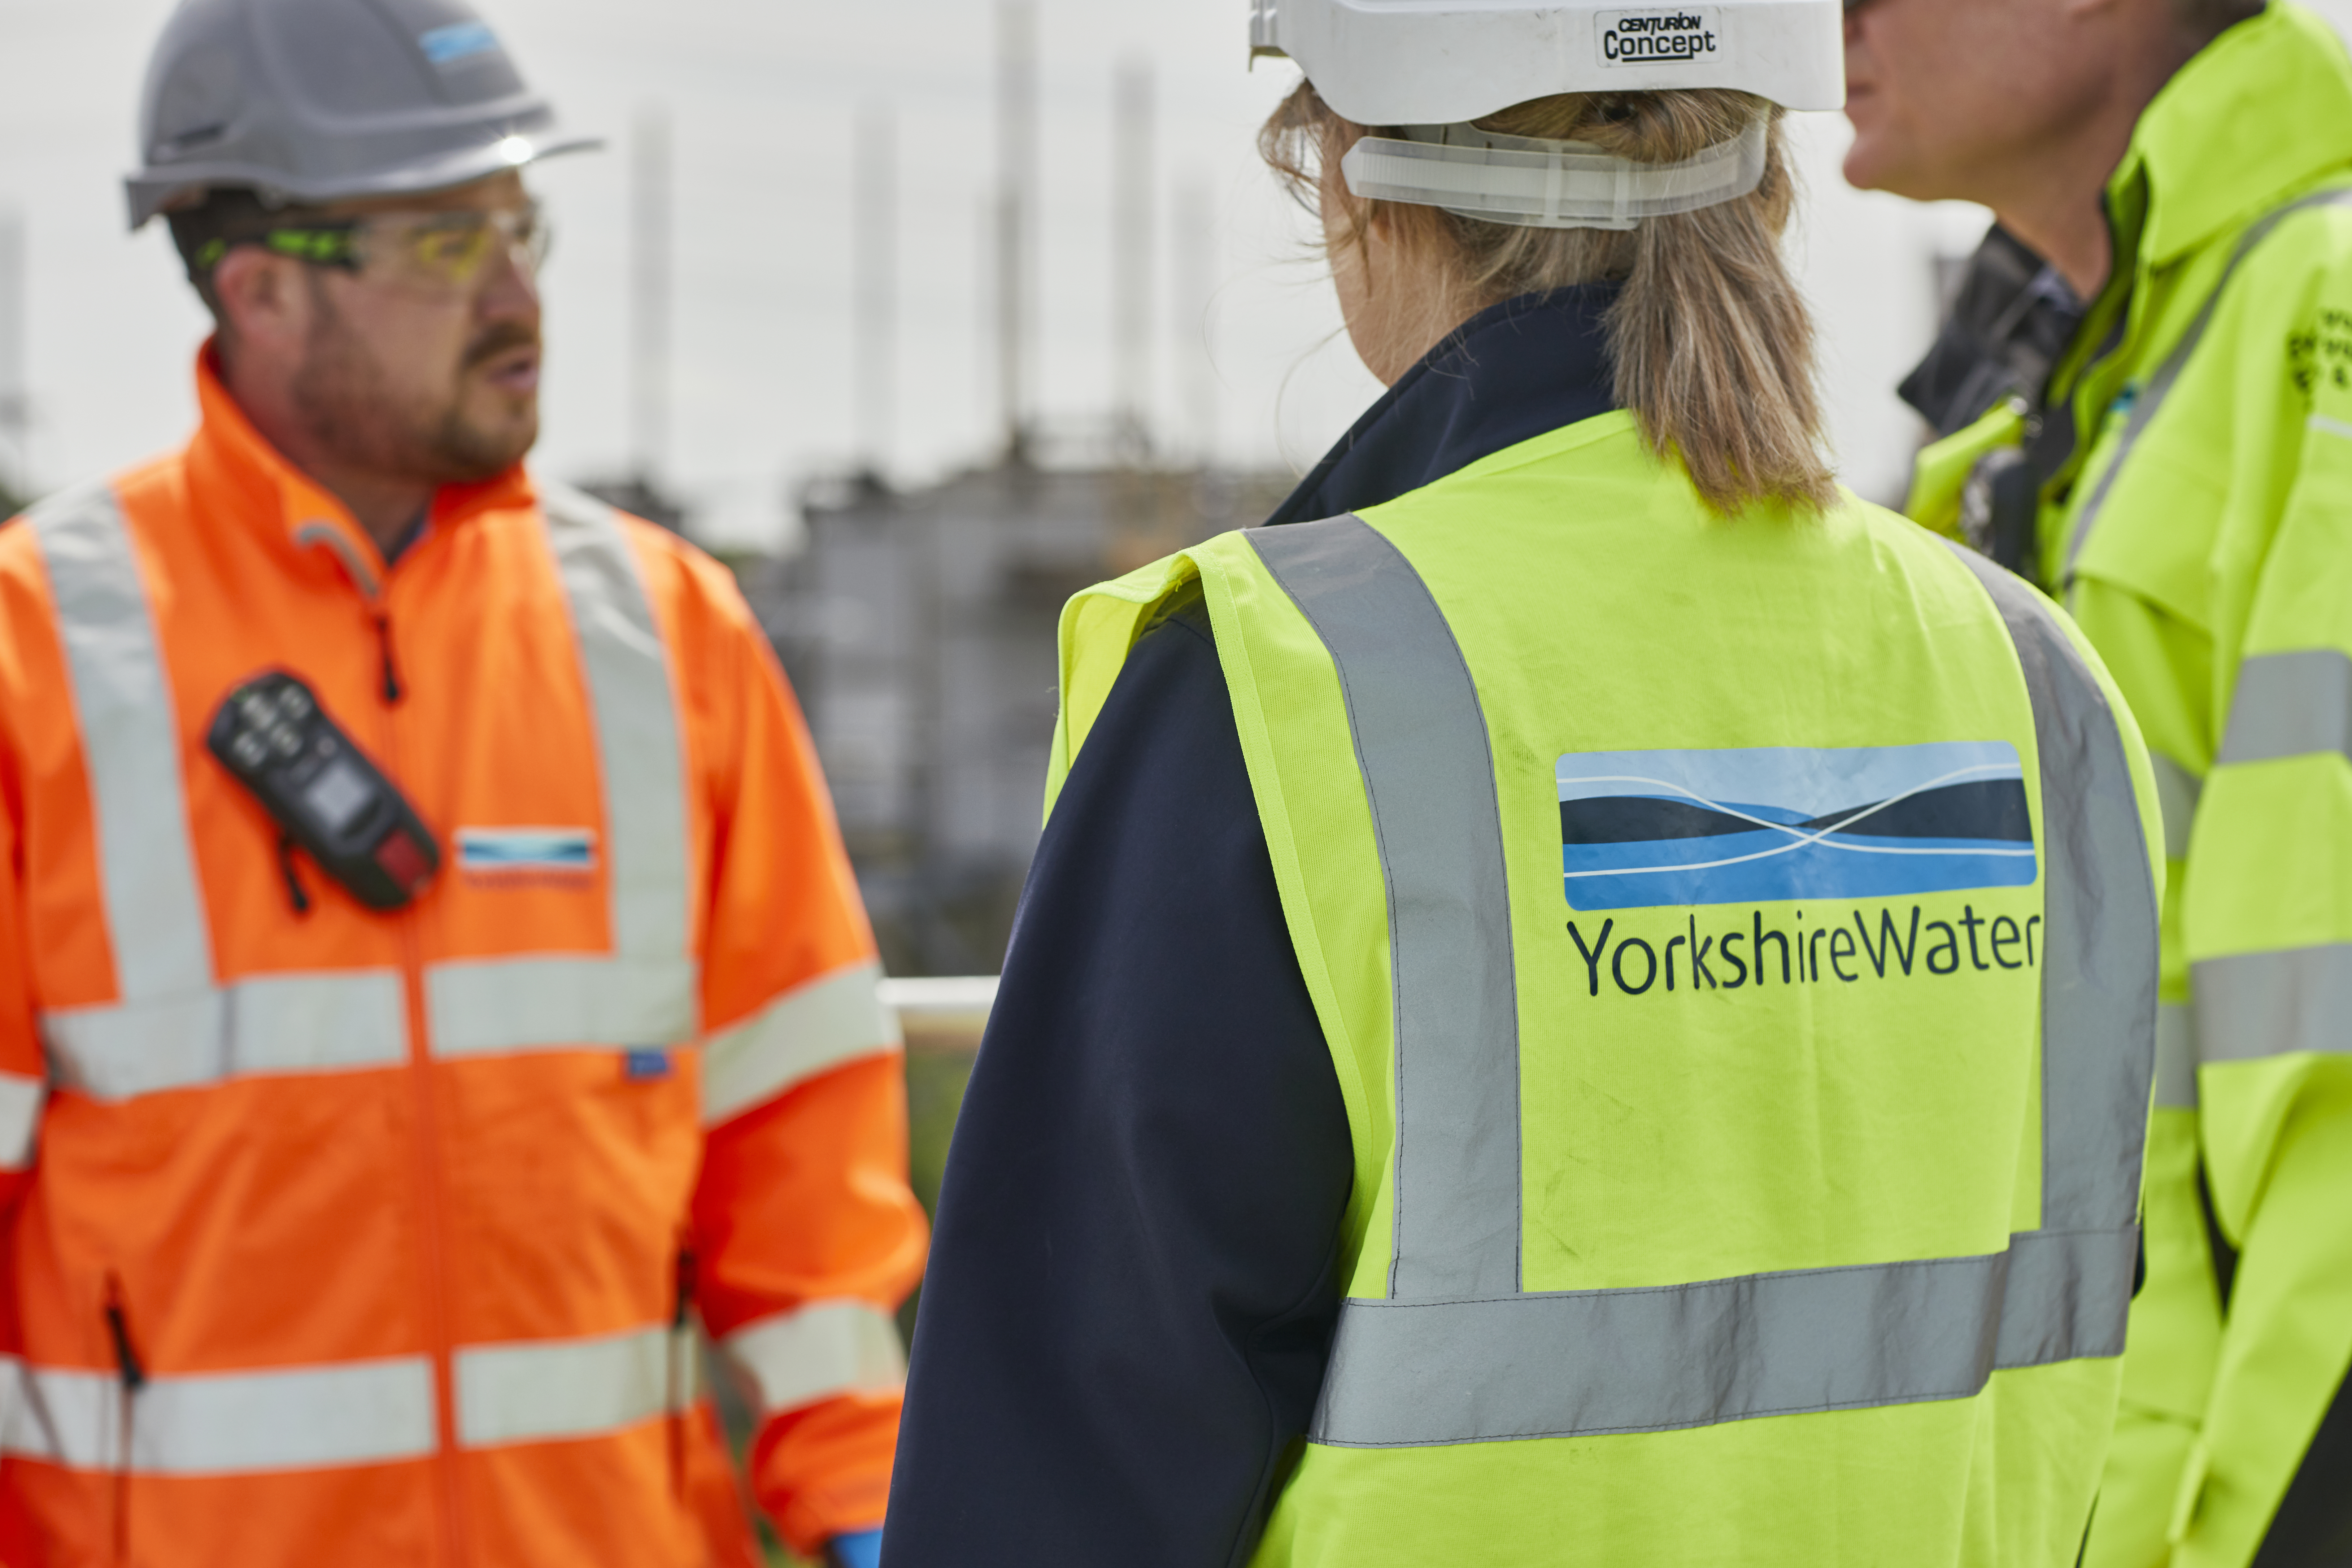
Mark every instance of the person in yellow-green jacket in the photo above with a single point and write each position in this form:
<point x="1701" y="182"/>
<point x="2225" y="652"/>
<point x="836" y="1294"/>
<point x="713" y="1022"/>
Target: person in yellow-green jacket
<point x="2145" y="403"/>
<point x="1586" y="997"/>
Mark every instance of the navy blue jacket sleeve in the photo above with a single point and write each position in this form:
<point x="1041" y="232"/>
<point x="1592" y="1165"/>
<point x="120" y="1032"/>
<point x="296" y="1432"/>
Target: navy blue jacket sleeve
<point x="1133" y="1281"/>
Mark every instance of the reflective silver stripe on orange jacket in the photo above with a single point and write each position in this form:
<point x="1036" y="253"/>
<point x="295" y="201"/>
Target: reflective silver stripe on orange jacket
<point x="292" y="1418"/>
<point x="811" y="1029"/>
<point x="647" y="990"/>
<point x="326" y="1021"/>
<point x="542" y="1390"/>
<point x="818" y="1351"/>
<point x="156" y="928"/>
<point x="1459" y="1351"/>
<point x="21" y="1099"/>
<point x="343" y="1414"/>
<point x="174" y="1026"/>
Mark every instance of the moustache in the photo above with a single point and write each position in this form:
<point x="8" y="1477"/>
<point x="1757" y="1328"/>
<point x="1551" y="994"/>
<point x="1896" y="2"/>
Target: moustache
<point x="498" y="340"/>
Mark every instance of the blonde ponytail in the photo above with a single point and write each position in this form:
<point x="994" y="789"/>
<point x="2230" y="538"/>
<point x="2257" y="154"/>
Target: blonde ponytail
<point x="1712" y="344"/>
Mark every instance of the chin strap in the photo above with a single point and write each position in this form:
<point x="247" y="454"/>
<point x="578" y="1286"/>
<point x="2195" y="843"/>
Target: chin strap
<point x="1535" y="184"/>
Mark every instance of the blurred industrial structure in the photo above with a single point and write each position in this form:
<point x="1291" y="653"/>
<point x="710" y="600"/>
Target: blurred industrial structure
<point x="918" y="630"/>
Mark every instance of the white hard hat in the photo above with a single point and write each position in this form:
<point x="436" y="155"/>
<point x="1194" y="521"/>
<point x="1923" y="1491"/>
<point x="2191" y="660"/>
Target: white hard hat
<point x="1430" y="67"/>
<point x="1434" y="62"/>
<point x="315" y="100"/>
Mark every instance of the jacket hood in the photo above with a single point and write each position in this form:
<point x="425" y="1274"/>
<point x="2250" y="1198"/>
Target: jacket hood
<point x="2265" y="110"/>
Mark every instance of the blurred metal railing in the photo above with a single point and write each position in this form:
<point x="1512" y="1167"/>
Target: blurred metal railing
<point x="941" y="1015"/>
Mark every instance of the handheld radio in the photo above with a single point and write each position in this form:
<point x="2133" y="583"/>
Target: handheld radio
<point x="275" y="739"/>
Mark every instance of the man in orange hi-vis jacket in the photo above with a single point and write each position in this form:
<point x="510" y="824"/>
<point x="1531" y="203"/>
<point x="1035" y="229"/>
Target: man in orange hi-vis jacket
<point x="430" y="979"/>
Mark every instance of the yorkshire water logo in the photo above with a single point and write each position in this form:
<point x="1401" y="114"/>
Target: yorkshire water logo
<point x="1643" y="829"/>
<point x="1660" y="38"/>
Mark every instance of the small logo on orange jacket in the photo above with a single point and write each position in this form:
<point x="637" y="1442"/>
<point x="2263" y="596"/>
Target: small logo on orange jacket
<point x="519" y="856"/>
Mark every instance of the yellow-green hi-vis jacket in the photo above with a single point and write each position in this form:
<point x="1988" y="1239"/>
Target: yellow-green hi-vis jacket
<point x="2202" y="538"/>
<point x="1736" y="943"/>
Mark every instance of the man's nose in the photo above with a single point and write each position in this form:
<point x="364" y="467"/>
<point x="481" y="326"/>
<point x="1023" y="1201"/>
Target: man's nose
<point x="510" y="289"/>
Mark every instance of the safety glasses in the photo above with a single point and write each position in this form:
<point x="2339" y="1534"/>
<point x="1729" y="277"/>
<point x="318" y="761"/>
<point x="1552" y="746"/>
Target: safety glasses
<point x="435" y="253"/>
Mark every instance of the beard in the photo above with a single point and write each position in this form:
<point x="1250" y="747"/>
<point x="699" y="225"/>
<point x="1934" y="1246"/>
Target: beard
<point x="351" y="406"/>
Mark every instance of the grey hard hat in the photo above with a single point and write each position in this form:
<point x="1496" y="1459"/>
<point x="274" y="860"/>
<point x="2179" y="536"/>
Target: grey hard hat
<point x="314" y="100"/>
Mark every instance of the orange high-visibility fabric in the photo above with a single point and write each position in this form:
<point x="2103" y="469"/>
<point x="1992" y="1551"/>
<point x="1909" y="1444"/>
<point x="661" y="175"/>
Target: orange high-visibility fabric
<point x="436" y="1213"/>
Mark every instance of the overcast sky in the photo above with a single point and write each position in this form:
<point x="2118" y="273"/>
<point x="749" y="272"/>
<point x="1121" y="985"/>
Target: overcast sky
<point x="766" y="97"/>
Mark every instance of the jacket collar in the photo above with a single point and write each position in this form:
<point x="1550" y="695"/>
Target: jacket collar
<point x="238" y="480"/>
<point x="1509" y="374"/>
<point x="2263" y="110"/>
<point x="2012" y="318"/>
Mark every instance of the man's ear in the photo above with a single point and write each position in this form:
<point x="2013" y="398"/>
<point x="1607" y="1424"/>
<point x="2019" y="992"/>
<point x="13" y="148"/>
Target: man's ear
<point x="263" y="300"/>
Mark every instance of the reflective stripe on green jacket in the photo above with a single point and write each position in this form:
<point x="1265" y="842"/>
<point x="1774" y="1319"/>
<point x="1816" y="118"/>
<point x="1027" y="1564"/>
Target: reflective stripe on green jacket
<point x="1736" y="943"/>
<point x="2203" y="537"/>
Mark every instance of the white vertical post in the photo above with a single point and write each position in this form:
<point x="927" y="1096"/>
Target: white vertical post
<point x="1196" y="282"/>
<point x="16" y="392"/>
<point x="1016" y="185"/>
<point x="1132" y="193"/>
<point x="649" y="295"/>
<point x="876" y="262"/>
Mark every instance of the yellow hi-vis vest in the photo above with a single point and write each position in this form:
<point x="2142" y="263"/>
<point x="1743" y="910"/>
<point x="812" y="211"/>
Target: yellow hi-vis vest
<point x="1736" y="946"/>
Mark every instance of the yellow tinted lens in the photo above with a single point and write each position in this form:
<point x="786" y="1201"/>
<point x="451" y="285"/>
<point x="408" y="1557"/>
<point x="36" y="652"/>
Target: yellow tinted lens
<point x="446" y="252"/>
<point x="452" y="252"/>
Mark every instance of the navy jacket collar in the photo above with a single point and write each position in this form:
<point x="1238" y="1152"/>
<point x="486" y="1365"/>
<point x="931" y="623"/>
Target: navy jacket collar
<point x="1509" y="374"/>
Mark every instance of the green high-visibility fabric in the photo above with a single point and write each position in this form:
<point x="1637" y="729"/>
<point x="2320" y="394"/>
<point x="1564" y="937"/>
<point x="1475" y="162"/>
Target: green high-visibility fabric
<point x="2225" y="534"/>
<point x="1944" y="466"/>
<point x="1889" y="1110"/>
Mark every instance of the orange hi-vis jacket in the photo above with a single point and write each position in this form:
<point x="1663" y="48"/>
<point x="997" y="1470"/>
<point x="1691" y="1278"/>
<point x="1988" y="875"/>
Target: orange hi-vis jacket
<point x="359" y="1238"/>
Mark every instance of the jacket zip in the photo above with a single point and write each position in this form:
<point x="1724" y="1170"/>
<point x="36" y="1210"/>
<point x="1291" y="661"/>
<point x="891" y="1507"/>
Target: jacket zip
<point x="427" y="1176"/>
<point x="133" y="1375"/>
<point x="390" y="664"/>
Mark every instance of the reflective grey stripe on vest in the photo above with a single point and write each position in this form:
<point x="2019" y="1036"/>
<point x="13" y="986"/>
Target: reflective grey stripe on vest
<point x="1420" y="742"/>
<point x="2152" y="396"/>
<point x="2099" y="972"/>
<point x="2258" y="1005"/>
<point x="2290" y="705"/>
<point x="2177" y="792"/>
<point x="1589" y="1362"/>
<point x="2175" y="1056"/>
<point x="1442" y="1360"/>
<point x="646" y="992"/>
<point x="154" y="912"/>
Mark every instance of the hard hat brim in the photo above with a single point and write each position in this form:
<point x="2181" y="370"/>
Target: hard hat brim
<point x="151" y="192"/>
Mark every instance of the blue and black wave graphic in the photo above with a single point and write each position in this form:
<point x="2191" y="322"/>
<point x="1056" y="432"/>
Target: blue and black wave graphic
<point x="1643" y="829"/>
